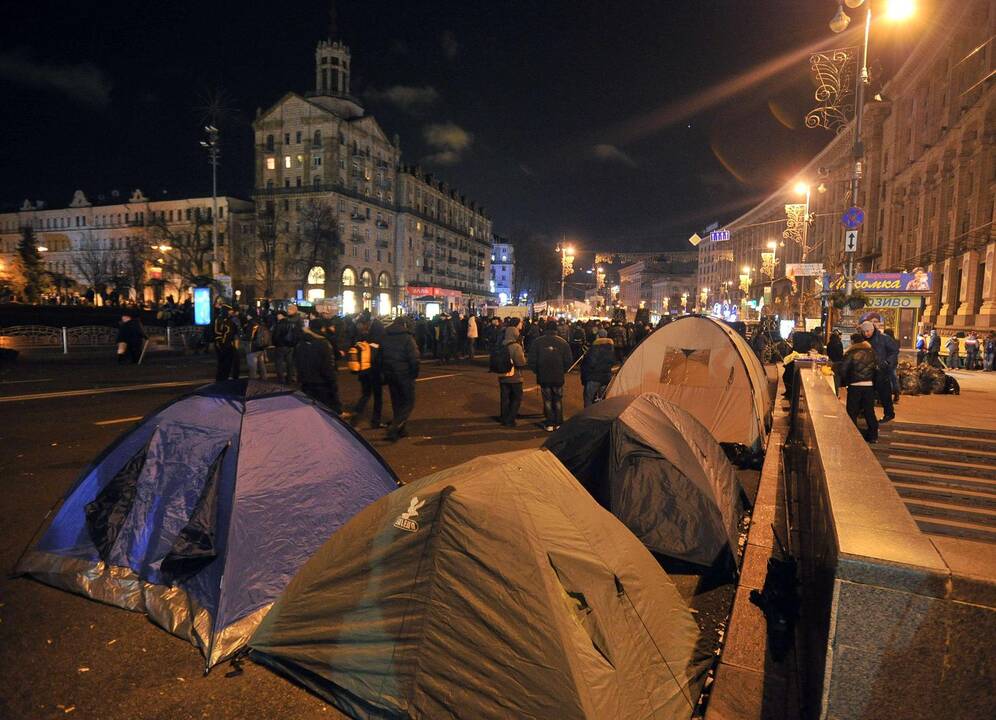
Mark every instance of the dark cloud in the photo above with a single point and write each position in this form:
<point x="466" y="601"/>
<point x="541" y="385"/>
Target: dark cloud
<point x="85" y="82"/>
<point x="406" y="97"/>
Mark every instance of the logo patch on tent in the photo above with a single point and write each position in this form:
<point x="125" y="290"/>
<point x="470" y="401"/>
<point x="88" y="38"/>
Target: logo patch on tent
<point x="405" y="520"/>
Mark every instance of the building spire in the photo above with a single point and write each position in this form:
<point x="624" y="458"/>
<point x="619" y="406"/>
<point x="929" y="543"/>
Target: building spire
<point x="333" y="21"/>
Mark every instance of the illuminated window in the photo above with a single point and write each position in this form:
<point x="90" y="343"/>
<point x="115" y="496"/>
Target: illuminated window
<point x="271" y="163"/>
<point x="316" y="276"/>
<point x="287" y="161"/>
<point x="300" y="160"/>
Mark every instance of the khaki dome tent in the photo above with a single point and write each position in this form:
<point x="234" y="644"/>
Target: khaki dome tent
<point x="659" y="471"/>
<point x="494" y="589"/>
<point x="703" y="366"/>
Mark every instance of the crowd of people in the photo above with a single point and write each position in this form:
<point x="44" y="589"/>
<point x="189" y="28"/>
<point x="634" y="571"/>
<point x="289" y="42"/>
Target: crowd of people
<point x="307" y="350"/>
<point x="962" y="351"/>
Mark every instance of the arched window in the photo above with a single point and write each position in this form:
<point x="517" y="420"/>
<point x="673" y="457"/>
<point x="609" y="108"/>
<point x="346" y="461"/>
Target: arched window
<point x="366" y="278"/>
<point x="316" y="276"/>
<point x="348" y="277"/>
<point x="384" y="280"/>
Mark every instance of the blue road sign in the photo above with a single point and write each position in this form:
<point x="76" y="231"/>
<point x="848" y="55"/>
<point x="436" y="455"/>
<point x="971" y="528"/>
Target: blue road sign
<point x="853" y="218"/>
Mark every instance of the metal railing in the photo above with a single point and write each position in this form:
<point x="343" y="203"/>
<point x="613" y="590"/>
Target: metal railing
<point x="48" y="336"/>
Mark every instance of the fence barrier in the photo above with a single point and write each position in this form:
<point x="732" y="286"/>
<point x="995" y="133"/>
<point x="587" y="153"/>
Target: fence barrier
<point x="47" y="336"/>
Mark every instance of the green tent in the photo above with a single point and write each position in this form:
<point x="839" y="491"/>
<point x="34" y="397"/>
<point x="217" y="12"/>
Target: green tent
<point x="495" y="589"/>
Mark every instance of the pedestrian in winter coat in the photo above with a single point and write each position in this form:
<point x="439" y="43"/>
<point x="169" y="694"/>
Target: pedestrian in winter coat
<point x="596" y="368"/>
<point x="226" y="343"/>
<point x="972" y="351"/>
<point x="400" y="366"/>
<point x="921" y="348"/>
<point x="286" y="335"/>
<point x="132" y="335"/>
<point x="550" y="358"/>
<point x="257" y="340"/>
<point x="934" y="349"/>
<point x="371" y="331"/>
<point x="510" y="382"/>
<point x="887" y="356"/>
<point x="471" y="336"/>
<point x="858" y="373"/>
<point x="835" y="348"/>
<point x="316" y="366"/>
<point x="989" y="349"/>
<point x="617" y="333"/>
<point x="952" y="347"/>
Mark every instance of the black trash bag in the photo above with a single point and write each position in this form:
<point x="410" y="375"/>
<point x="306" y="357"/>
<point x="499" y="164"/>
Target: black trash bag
<point x="779" y="601"/>
<point x="742" y="456"/>
<point x="106" y="514"/>
<point x="194" y="547"/>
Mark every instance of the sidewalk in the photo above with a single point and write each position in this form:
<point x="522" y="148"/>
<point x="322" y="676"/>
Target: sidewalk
<point x="975" y="407"/>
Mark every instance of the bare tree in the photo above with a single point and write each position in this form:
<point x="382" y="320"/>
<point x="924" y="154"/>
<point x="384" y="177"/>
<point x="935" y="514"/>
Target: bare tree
<point x="129" y="269"/>
<point x="265" y="260"/>
<point x="93" y="263"/>
<point x="317" y="241"/>
<point x="189" y="252"/>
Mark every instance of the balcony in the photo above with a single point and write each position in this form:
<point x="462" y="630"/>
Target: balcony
<point x="358" y="218"/>
<point x="383" y="224"/>
<point x="357" y="238"/>
<point x="383" y="244"/>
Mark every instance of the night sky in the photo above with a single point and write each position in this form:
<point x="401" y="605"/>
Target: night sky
<point x="612" y="122"/>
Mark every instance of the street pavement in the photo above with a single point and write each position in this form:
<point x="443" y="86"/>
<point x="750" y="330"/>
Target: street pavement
<point x="61" y="654"/>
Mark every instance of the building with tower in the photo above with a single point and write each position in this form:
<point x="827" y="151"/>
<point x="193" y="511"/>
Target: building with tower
<point x="340" y="219"/>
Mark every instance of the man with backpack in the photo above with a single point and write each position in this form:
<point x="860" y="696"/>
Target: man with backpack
<point x="364" y="362"/>
<point x="507" y="359"/>
<point x="400" y="367"/>
<point x="550" y="358"/>
<point x="286" y="335"/>
<point x="596" y="368"/>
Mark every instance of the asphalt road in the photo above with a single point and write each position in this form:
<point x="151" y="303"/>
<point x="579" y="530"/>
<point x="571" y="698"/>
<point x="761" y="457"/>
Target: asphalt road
<point x="61" y="654"/>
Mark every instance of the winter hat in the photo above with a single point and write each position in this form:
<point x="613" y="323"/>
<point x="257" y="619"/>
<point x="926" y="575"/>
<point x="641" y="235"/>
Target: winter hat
<point x="868" y="326"/>
<point x="602" y="334"/>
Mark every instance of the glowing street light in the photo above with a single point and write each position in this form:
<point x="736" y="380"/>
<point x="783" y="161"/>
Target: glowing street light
<point x="900" y="10"/>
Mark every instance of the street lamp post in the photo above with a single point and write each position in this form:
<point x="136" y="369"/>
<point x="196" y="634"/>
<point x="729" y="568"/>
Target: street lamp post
<point x="896" y="10"/>
<point x="214" y="152"/>
<point x="566" y="264"/>
<point x="804" y="189"/>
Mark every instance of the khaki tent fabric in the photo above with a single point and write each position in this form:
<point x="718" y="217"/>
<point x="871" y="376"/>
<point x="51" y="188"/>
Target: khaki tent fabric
<point x="659" y="471"/>
<point x="703" y="366"/>
<point x="495" y="589"/>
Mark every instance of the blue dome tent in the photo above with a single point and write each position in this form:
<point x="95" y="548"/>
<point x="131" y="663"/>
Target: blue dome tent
<point x="201" y="514"/>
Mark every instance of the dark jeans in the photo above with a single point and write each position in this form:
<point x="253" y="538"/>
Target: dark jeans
<point x="883" y="389"/>
<point x="511" y="398"/>
<point x="402" y="403"/>
<point x="325" y="393"/>
<point x="553" y="404"/>
<point x="592" y="390"/>
<point x="971" y="359"/>
<point x="861" y="400"/>
<point x="920" y="355"/>
<point x="228" y="363"/>
<point x="370" y="384"/>
<point x="283" y="359"/>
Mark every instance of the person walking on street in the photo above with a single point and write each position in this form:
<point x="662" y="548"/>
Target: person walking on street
<point x="257" y="338"/>
<point x="952" y="347"/>
<point x="400" y="366"/>
<point x="507" y="360"/>
<point x="934" y="349"/>
<point x="596" y="368"/>
<point x="131" y="338"/>
<point x="549" y="358"/>
<point x="472" y="333"/>
<point x="887" y="357"/>
<point x="316" y="366"/>
<point x="286" y="335"/>
<point x="921" y="348"/>
<point x="989" y="349"/>
<point x="226" y="343"/>
<point x="368" y="371"/>
<point x="858" y="372"/>
<point x="972" y="351"/>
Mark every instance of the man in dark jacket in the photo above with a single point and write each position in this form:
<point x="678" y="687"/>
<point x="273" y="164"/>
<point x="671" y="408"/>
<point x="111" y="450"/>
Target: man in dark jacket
<point x="510" y="383"/>
<point x="934" y="349"/>
<point x="617" y="333"/>
<point x="371" y="331"/>
<point x="226" y="343"/>
<point x="596" y="368"/>
<point x="858" y="372"/>
<point x="887" y="354"/>
<point x="835" y="348"/>
<point x="399" y="364"/>
<point x="549" y="358"/>
<point x="286" y="335"/>
<point x="132" y="334"/>
<point x="315" y="360"/>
